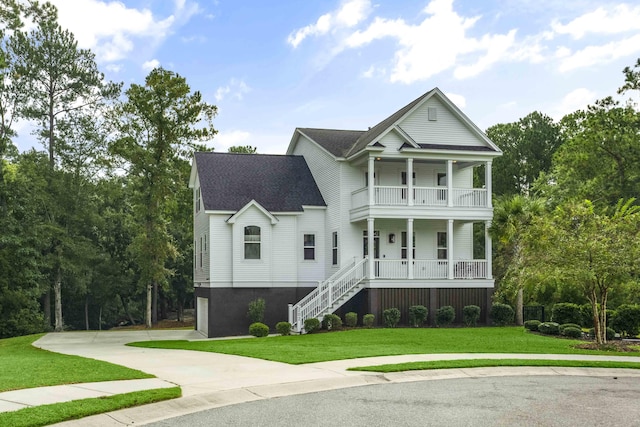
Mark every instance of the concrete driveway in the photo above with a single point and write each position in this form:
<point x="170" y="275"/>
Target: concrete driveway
<point x="211" y="380"/>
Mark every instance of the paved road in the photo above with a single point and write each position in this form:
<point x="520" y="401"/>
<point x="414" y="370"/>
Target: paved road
<point x="495" y="401"/>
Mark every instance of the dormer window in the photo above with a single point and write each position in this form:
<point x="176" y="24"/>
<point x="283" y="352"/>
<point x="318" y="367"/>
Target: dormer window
<point x="197" y="199"/>
<point x="252" y="242"/>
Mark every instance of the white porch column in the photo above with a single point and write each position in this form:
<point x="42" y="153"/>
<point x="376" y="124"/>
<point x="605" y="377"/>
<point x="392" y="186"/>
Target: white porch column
<point x="488" y="249"/>
<point x="410" y="248"/>
<point x="371" y="182"/>
<point x="449" y="183"/>
<point x="450" y="247"/>
<point x="410" y="181"/>
<point x="487" y="182"/>
<point x="370" y="239"/>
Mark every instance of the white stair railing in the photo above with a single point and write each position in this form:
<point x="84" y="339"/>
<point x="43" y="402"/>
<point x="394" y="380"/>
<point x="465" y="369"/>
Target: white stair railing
<point x="326" y="297"/>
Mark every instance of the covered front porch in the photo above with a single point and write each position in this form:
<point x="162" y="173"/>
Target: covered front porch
<point x="439" y="249"/>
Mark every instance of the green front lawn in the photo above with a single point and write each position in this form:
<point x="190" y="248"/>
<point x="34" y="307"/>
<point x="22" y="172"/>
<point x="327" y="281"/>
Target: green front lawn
<point x="25" y="366"/>
<point x="383" y="342"/>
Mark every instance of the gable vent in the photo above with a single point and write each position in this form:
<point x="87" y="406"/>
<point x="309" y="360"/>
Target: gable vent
<point x="433" y="114"/>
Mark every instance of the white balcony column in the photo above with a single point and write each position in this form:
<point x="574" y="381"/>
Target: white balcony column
<point x="410" y="181"/>
<point x="488" y="252"/>
<point x="487" y="182"/>
<point x="410" y="248"/>
<point x="371" y="180"/>
<point x="449" y="183"/>
<point x="450" y="247"/>
<point x="370" y="240"/>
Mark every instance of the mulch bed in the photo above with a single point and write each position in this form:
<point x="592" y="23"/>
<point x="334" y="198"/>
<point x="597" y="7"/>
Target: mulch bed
<point x="616" y="345"/>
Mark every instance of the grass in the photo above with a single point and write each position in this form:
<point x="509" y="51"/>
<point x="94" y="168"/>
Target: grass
<point x="25" y="366"/>
<point x="487" y="363"/>
<point x="50" y="414"/>
<point x="357" y="343"/>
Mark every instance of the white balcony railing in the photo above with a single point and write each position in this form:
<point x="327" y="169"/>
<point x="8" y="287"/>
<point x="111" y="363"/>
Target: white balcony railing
<point x="422" y="196"/>
<point x="429" y="269"/>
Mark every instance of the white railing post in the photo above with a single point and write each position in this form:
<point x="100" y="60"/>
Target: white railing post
<point x="488" y="253"/>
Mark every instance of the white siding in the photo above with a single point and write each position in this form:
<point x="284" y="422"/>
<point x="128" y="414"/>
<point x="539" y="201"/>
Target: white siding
<point x="392" y="143"/>
<point x="447" y="129"/>
<point x="463" y="178"/>
<point x="200" y="230"/>
<point x="220" y="249"/>
<point x="462" y="240"/>
<point x="283" y="250"/>
<point x="252" y="272"/>
<point x="311" y="271"/>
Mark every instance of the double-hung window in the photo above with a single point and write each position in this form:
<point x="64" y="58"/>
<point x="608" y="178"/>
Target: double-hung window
<point x="442" y="244"/>
<point x="334" y="248"/>
<point x="252" y="242"/>
<point x="309" y="244"/>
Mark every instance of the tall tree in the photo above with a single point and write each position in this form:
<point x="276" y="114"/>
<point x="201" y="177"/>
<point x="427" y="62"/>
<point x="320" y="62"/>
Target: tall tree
<point x="59" y="80"/>
<point x="591" y="249"/>
<point x="528" y="146"/>
<point x="511" y="218"/>
<point x="243" y="149"/>
<point x="158" y="126"/>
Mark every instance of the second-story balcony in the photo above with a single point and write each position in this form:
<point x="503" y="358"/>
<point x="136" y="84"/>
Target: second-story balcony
<point x="422" y="196"/>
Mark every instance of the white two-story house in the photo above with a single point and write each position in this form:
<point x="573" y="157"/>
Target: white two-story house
<point x="347" y="221"/>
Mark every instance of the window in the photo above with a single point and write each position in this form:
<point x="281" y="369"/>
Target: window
<point x="309" y="243"/>
<point x="197" y="199"/>
<point x="200" y="253"/>
<point x="442" y="245"/>
<point x="403" y="245"/>
<point x="334" y="248"/>
<point x="252" y="242"/>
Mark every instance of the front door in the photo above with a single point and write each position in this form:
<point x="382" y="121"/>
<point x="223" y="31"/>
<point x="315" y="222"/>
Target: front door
<point x="376" y="244"/>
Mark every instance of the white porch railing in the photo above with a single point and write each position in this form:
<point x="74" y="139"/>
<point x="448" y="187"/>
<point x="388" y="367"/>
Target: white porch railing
<point x="327" y="297"/>
<point x="429" y="269"/>
<point x="422" y="196"/>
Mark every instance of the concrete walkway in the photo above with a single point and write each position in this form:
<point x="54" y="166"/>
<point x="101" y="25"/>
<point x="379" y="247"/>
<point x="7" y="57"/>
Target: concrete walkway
<point x="210" y="380"/>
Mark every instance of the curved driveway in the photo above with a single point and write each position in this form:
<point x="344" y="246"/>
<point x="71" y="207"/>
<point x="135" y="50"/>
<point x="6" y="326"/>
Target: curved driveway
<point x="212" y="380"/>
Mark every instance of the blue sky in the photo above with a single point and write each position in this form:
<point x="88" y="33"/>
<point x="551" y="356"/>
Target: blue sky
<point x="348" y="64"/>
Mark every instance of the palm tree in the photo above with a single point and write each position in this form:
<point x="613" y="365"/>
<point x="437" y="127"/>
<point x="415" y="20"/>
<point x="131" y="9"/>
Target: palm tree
<point x="511" y="217"/>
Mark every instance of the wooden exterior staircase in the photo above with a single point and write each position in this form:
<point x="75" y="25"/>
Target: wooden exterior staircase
<point x="330" y="294"/>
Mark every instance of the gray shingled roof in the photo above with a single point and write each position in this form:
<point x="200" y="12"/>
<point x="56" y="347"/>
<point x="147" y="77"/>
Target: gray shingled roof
<point x="279" y="183"/>
<point x="337" y="142"/>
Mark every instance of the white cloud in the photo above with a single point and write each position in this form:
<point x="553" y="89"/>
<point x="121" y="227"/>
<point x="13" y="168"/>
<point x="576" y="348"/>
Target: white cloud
<point x="348" y="15"/>
<point x="237" y="88"/>
<point x="112" y="30"/>
<point x="150" y="65"/>
<point x="113" y="68"/>
<point x="614" y="20"/>
<point x="224" y="140"/>
<point x="594" y="55"/>
<point x="459" y="100"/>
<point x="577" y="99"/>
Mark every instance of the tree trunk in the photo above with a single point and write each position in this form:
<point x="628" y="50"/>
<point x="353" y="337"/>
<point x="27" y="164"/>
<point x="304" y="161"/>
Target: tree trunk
<point x="520" y="307"/>
<point x="126" y="310"/>
<point x="57" y="294"/>
<point x="155" y="308"/>
<point x="86" y="312"/>
<point x="46" y="303"/>
<point x="180" y="311"/>
<point x="596" y="318"/>
<point x="148" y="311"/>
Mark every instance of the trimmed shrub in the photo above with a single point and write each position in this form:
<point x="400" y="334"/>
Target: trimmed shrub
<point x="351" y="319"/>
<point x="470" y="315"/>
<point x="417" y="315"/>
<point x="283" y="328"/>
<point x="567" y="325"/>
<point x="586" y="316"/>
<point x="311" y="325"/>
<point x="566" y="312"/>
<point x="532" y="325"/>
<point x="256" y="310"/>
<point x="501" y="314"/>
<point x="391" y="317"/>
<point x="331" y="322"/>
<point x="445" y="315"/>
<point x="627" y="320"/>
<point x="258" y="329"/>
<point x="611" y="334"/>
<point x="549" y="328"/>
<point x="572" y="332"/>
<point x="368" y="320"/>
